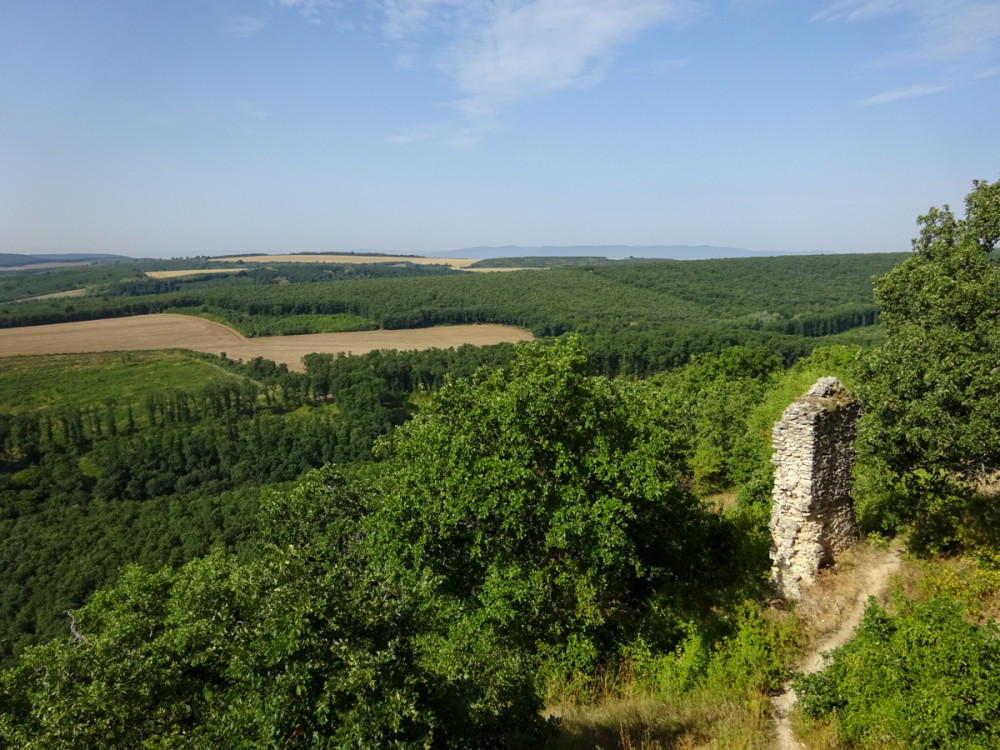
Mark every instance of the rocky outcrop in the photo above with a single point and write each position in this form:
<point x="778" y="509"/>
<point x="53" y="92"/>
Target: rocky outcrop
<point x="812" y="517"/>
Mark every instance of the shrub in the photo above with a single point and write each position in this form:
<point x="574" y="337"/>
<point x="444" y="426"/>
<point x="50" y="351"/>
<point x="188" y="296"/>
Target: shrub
<point x="925" y="677"/>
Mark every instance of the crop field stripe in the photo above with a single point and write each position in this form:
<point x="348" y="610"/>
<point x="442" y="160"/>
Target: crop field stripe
<point x="189" y="272"/>
<point x="171" y="331"/>
<point x="420" y="261"/>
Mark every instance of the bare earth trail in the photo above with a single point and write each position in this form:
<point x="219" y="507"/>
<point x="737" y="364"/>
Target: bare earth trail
<point x="168" y="331"/>
<point x="839" y="600"/>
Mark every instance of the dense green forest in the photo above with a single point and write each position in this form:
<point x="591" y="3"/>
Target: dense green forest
<point x="639" y="317"/>
<point x="558" y="544"/>
<point x="94" y="446"/>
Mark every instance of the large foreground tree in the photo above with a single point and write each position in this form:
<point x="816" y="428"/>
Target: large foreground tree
<point x="547" y="500"/>
<point x="932" y="392"/>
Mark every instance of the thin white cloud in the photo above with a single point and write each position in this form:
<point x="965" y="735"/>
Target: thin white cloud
<point x="907" y="92"/>
<point x="407" y="17"/>
<point x="859" y="10"/>
<point x="954" y="32"/>
<point x="245" y="25"/>
<point x="498" y="53"/>
<point x="314" y="11"/>
<point x="252" y="110"/>
<point x="456" y="135"/>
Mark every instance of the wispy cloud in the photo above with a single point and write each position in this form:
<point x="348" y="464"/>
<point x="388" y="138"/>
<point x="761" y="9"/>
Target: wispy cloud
<point x="312" y="10"/>
<point x="454" y="134"/>
<point x="907" y="92"/>
<point x="498" y="53"/>
<point x="405" y="18"/>
<point x="252" y="110"/>
<point x="859" y="10"/>
<point x="955" y="32"/>
<point x="245" y="25"/>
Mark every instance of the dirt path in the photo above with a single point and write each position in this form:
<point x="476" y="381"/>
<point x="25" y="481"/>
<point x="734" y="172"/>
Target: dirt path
<point x="832" y="608"/>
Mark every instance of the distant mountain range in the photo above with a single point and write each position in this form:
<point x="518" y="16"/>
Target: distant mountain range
<point x="674" y="252"/>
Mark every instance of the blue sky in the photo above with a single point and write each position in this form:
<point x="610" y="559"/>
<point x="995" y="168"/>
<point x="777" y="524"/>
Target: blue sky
<point x="185" y="127"/>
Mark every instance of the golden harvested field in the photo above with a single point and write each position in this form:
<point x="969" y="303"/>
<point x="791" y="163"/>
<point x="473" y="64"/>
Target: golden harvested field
<point x="58" y="295"/>
<point x="169" y="331"/>
<point x="190" y="272"/>
<point x="512" y="268"/>
<point x="460" y="264"/>
<point x="452" y="262"/>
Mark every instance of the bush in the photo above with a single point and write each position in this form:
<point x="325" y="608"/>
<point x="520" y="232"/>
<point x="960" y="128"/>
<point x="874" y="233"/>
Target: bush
<point x="546" y="499"/>
<point x="925" y="677"/>
<point x="752" y="661"/>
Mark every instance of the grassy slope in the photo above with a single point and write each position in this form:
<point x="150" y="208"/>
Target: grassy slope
<point x="47" y="382"/>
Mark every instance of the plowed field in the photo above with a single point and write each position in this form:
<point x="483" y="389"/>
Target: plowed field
<point x="188" y="332"/>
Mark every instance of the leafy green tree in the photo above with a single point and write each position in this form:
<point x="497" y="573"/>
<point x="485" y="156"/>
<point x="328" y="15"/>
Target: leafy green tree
<point x="307" y="645"/>
<point x="924" y="679"/>
<point x="930" y="393"/>
<point x="546" y="499"/>
<point x="712" y="396"/>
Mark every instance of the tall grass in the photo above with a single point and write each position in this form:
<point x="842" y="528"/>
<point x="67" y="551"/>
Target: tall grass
<point x="628" y="714"/>
<point x="706" y="694"/>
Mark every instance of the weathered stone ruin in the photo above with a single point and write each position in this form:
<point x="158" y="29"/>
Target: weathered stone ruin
<point x="812" y="518"/>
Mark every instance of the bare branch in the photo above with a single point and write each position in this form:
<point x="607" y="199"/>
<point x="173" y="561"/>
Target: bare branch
<point x="78" y="637"/>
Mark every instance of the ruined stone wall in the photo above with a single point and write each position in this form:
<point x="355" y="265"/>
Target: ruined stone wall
<point x="812" y="518"/>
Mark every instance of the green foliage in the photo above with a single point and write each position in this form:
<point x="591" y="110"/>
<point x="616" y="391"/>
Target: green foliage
<point x="938" y="509"/>
<point x="740" y="654"/>
<point x="713" y="395"/>
<point x="525" y="525"/>
<point x="546" y="499"/>
<point x="83" y="381"/>
<point x="639" y="317"/>
<point x="295" y="325"/>
<point x="306" y="645"/>
<point x="753" y="660"/>
<point x="52" y="559"/>
<point x="528" y="523"/>
<point x="107" y="459"/>
<point x="17" y="285"/>
<point x="751" y="450"/>
<point x="929" y="393"/>
<point x="924" y="678"/>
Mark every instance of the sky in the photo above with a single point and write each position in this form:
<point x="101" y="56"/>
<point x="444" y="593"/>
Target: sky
<point x="174" y="128"/>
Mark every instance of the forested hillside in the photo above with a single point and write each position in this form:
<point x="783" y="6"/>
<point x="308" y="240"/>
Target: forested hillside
<point x="154" y="457"/>
<point x="557" y="544"/>
<point x="639" y="317"/>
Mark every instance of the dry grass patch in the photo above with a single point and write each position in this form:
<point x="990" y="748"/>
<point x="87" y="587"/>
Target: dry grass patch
<point x="491" y="270"/>
<point x="169" y="331"/>
<point x="699" y="720"/>
<point x="57" y="295"/>
<point x="840" y="590"/>
<point x="960" y="578"/>
<point x="189" y="272"/>
<point x="721" y="502"/>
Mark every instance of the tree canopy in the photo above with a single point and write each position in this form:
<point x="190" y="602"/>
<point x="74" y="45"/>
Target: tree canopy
<point x="547" y="496"/>
<point x="528" y="516"/>
<point x="930" y="393"/>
